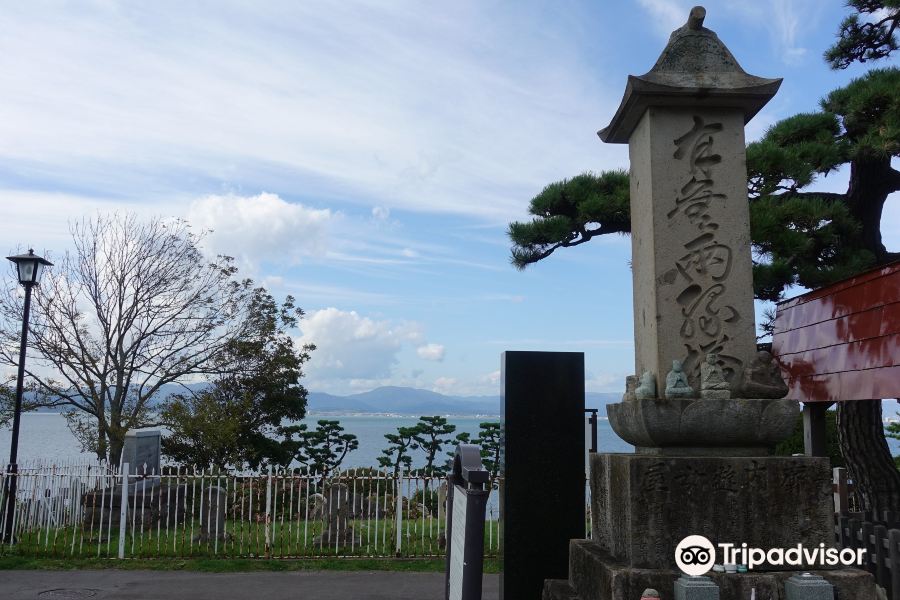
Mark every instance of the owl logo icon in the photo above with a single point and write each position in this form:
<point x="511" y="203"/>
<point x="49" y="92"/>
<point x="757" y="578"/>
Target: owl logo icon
<point x="695" y="555"/>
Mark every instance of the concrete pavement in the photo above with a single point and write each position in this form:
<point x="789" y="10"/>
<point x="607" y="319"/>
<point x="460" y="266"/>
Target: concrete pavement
<point x="111" y="584"/>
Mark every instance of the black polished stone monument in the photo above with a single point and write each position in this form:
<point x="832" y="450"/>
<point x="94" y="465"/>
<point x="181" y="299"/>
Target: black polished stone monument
<point x="542" y="498"/>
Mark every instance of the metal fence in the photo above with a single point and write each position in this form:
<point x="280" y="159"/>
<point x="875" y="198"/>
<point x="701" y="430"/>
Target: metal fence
<point x="98" y="511"/>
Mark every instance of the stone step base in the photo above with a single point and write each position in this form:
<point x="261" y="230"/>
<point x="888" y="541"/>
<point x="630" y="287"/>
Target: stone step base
<point x="558" y="589"/>
<point x="593" y="576"/>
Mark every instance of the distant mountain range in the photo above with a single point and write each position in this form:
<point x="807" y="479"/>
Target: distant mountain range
<point x="403" y="401"/>
<point x="412" y="401"/>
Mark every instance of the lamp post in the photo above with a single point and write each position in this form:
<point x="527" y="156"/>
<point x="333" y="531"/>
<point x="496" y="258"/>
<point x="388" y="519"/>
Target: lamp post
<point x="29" y="268"/>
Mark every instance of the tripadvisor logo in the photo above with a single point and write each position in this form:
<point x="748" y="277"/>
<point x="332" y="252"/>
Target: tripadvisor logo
<point x="695" y="556"/>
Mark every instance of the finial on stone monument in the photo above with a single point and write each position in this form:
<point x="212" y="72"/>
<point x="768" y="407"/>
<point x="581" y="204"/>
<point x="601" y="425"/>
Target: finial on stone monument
<point x="647" y="389"/>
<point x="694" y="69"/>
<point x="695" y="19"/>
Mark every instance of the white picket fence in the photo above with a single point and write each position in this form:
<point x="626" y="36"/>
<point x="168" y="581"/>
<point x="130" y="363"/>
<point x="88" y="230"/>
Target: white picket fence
<point x="77" y="510"/>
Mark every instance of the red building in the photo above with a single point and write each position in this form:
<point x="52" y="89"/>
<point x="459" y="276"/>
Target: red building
<point x="842" y="342"/>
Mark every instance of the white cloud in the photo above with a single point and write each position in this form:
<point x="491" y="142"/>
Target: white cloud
<point x="350" y="346"/>
<point x="666" y="15"/>
<point x="492" y="378"/>
<point x="319" y="98"/>
<point x="380" y="213"/>
<point x="261" y="228"/>
<point x="785" y="20"/>
<point x="444" y="384"/>
<point x="431" y="352"/>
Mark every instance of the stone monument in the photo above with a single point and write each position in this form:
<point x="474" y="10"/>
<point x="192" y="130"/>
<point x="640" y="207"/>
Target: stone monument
<point x="702" y="465"/>
<point x="142" y="450"/>
<point x="337" y="529"/>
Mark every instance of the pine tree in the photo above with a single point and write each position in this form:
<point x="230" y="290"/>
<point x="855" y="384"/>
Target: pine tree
<point x="429" y="436"/>
<point x="867" y="34"/>
<point x="396" y="455"/>
<point x="323" y="449"/>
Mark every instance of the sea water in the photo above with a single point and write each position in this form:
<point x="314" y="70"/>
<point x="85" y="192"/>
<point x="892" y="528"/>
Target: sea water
<point x="46" y="437"/>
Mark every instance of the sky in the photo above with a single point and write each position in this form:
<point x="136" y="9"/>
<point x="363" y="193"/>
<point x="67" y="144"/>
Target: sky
<point x="366" y="157"/>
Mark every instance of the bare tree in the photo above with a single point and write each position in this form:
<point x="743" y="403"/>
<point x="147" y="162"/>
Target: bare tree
<point x="133" y="307"/>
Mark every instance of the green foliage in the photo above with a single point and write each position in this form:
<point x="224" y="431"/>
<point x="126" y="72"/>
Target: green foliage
<point x="866" y="34"/>
<point x="489" y="440"/>
<point x="793" y="152"/>
<point x="810" y="241"/>
<point x="237" y="420"/>
<point x="893" y="430"/>
<point x="396" y="456"/>
<point x="869" y="110"/>
<point x="571" y="212"/>
<point x="429" y="436"/>
<point x="427" y="498"/>
<point x="794" y="444"/>
<point x="323" y="449"/>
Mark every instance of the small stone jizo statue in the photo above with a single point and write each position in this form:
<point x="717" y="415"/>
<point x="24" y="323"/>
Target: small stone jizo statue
<point x="677" y="385"/>
<point x="713" y="385"/>
<point x="647" y="389"/>
<point x="631" y="383"/>
<point x="762" y="379"/>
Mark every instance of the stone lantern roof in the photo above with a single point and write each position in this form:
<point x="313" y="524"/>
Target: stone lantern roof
<point x="694" y="69"/>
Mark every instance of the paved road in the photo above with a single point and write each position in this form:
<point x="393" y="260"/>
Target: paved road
<point x="110" y="584"/>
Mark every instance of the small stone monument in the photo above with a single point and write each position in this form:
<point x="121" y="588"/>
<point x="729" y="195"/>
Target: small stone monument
<point x="213" y="501"/>
<point x="338" y="531"/>
<point x="712" y="380"/>
<point x="647" y="389"/>
<point x="808" y="587"/>
<point x="631" y="384"/>
<point x="762" y="379"/>
<point x="696" y="588"/>
<point x="142" y="451"/>
<point x="677" y="385"/>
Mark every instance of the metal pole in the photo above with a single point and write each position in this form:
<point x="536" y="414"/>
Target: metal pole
<point x="12" y="470"/>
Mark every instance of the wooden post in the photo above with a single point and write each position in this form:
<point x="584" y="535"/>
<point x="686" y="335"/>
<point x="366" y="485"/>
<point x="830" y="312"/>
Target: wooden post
<point x="841" y="501"/>
<point x="868" y="530"/>
<point x="894" y="557"/>
<point x="814" y="439"/>
<point x="882" y="576"/>
<point x="854" y="532"/>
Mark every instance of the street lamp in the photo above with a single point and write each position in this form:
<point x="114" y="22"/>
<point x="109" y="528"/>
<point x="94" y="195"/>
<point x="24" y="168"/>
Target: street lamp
<point x="29" y="268"/>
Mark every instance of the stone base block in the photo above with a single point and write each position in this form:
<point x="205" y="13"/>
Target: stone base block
<point x="595" y="576"/>
<point x="644" y="505"/>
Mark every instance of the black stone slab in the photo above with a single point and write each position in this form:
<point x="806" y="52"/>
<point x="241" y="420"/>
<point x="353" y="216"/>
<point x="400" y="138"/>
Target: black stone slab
<point x="543" y="495"/>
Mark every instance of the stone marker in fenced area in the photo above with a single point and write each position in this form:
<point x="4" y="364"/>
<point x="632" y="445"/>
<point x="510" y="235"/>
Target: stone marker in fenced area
<point x="338" y="531"/>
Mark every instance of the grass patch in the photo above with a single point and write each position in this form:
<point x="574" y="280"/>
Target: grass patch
<point x="234" y="565"/>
